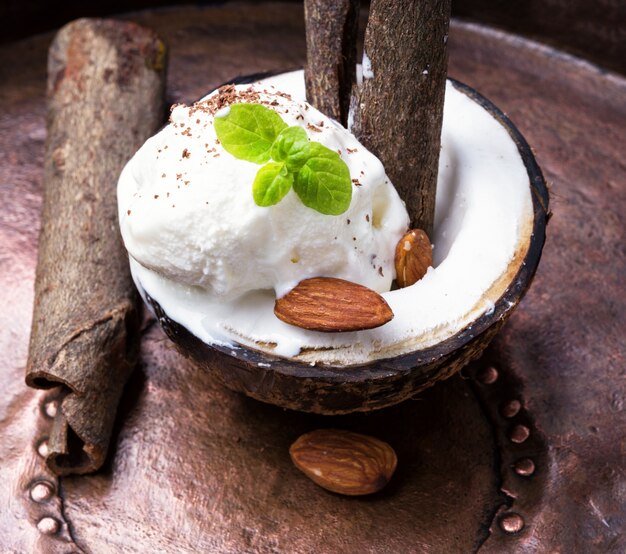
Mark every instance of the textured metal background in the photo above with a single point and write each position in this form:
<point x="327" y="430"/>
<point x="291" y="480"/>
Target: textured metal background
<point x="195" y="467"/>
<point x="595" y="29"/>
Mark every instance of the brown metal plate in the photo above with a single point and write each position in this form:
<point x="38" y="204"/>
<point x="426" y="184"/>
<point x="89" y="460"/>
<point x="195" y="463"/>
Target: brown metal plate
<point x="195" y="467"/>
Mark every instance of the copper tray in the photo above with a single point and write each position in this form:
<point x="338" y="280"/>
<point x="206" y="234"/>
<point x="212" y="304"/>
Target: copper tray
<point x="523" y="452"/>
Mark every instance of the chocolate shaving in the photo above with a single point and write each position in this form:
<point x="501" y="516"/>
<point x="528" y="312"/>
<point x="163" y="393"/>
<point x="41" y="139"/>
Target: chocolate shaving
<point x="330" y="72"/>
<point x="85" y="328"/>
<point x="398" y="109"/>
<point x="226" y="96"/>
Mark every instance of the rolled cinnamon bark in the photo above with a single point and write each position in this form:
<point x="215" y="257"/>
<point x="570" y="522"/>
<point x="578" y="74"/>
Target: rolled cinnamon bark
<point x="330" y="72"/>
<point x="106" y="82"/>
<point x="398" y="108"/>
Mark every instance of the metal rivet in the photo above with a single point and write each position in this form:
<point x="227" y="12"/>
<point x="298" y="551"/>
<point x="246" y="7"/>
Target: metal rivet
<point x="524" y="467"/>
<point x="488" y="375"/>
<point x="48" y="525"/>
<point x="41" y="491"/>
<point x="519" y="433"/>
<point x="42" y="448"/>
<point x="511" y="408"/>
<point x="511" y="523"/>
<point x="51" y="408"/>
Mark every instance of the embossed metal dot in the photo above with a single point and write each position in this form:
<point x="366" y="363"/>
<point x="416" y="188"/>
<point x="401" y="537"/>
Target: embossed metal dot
<point x="512" y="523"/>
<point x="48" y="525"/>
<point x="511" y="408"/>
<point x="42" y="448"/>
<point x="41" y="491"/>
<point x="488" y="375"/>
<point x="524" y="467"/>
<point x="51" y="408"/>
<point x="519" y="433"/>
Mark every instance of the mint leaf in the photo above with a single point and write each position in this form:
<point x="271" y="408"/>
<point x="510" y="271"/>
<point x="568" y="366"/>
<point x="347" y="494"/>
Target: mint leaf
<point x="271" y="184"/>
<point x="248" y="131"/>
<point x="318" y="175"/>
<point x="290" y="147"/>
<point x="323" y="183"/>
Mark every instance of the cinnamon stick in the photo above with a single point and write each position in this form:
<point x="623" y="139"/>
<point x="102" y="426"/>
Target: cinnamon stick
<point x="330" y="72"/>
<point x="398" y="108"/>
<point x="106" y="97"/>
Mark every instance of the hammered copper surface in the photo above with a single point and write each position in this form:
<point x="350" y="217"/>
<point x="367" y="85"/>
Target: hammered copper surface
<point x="592" y="28"/>
<point x="198" y="468"/>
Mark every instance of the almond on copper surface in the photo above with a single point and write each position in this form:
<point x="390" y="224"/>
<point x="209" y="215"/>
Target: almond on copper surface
<point x="344" y="462"/>
<point x="332" y="305"/>
<point x="414" y="255"/>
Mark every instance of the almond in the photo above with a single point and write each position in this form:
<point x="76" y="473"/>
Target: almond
<point x="332" y="305"/>
<point x="414" y="255"/>
<point x="344" y="462"/>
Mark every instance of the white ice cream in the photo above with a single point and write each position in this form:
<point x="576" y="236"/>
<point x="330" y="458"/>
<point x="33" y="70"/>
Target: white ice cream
<point x="187" y="211"/>
<point x="200" y="256"/>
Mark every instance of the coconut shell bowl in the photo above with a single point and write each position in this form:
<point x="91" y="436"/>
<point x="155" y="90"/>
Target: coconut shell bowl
<point x="339" y="389"/>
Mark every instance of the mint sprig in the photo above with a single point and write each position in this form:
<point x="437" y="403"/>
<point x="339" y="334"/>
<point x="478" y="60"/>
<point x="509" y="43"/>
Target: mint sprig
<point x="318" y="175"/>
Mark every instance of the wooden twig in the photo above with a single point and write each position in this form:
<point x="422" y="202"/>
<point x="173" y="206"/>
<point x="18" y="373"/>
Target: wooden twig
<point x="331" y="29"/>
<point x="106" y="97"/>
<point x="398" y="108"/>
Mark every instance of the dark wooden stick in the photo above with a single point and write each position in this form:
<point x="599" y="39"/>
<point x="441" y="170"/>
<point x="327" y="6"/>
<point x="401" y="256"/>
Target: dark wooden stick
<point x="398" y="108"/>
<point x="331" y="29"/>
<point x="106" y="83"/>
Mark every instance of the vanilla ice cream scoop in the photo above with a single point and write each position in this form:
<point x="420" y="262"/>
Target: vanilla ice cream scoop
<point x="187" y="210"/>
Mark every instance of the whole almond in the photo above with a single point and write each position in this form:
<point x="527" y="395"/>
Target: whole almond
<point x="332" y="305"/>
<point x="414" y="255"/>
<point x="344" y="462"/>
